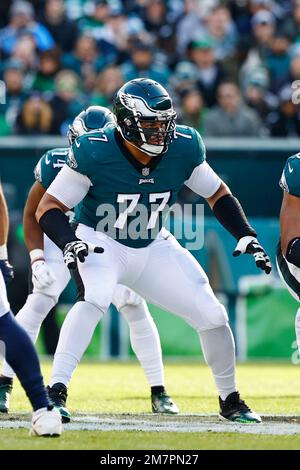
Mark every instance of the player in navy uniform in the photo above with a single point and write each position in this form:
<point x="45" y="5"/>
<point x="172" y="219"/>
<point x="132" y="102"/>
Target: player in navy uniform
<point x="124" y="179"/>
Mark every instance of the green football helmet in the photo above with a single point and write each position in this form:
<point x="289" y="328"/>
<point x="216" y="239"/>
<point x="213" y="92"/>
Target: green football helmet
<point x="145" y="115"/>
<point x="92" y="118"/>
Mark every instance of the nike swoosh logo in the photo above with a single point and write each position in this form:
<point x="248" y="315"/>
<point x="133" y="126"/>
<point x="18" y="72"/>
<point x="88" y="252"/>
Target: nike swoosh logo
<point x="47" y="160"/>
<point x="77" y="144"/>
<point x="290" y="168"/>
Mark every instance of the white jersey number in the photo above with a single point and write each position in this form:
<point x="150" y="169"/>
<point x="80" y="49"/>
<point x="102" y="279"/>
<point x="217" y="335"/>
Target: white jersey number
<point x="133" y="200"/>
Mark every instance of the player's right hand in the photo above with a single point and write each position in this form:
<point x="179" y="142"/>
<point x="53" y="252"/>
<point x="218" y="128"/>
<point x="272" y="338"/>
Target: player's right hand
<point x="78" y="250"/>
<point x="7" y="270"/>
<point x="42" y="274"/>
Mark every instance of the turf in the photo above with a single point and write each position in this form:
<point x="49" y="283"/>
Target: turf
<point x="121" y="388"/>
<point x="83" y="440"/>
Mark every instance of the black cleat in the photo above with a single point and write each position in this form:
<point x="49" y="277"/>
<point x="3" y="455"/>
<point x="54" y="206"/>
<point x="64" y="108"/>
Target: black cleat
<point x="163" y="404"/>
<point x="5" y="392"/>
<point x="234" y="409"/>
<point x="58" y="395"/>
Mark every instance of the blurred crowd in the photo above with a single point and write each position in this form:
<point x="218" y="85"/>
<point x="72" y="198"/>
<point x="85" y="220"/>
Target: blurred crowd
<point x="231" y="66"/>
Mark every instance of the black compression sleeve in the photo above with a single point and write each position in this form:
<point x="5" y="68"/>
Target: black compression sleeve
<point x="230" y="214"/>
<point x="55" y="224"/>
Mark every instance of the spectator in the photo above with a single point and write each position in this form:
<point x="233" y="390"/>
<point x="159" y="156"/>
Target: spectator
<point x="193" y="109"/>
<point x="291" y="25"/>
<point x="108" y="82"/>
<point x="67" y="101"/>
<point x="25" y="51"/>
<point x="142" y="64"/>
<point x="291" y="75"/>
<point x="35" y="117"/>
<point x="257" y="96"/>
<point x="188" y="24"/>
<point x="13" y="78"/>
<point x="221" y="28"/>
<point x="210" y="73"/>
<point x="231" y="118"/>
<point x="94" y="22"/>
<point x="86" y="57"/>
<point x="22" y="19"/>
<point x="278" y="59"/>
<point x="49" y="65"/>
<point x="63" y="30"/>
<point x="263" y="31"/>
<point x="286" y="121"/>
<point x="160" y="23"/>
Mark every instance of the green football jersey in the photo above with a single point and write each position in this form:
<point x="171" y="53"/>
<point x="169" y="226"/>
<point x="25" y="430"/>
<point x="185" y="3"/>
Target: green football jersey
<point x="128" y="200"/>
<point x="50" y="165"/>
<point x="290" y="178"/>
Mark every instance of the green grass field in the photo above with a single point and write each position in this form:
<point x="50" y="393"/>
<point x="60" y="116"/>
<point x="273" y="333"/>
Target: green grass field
<point x="118" y="393"/>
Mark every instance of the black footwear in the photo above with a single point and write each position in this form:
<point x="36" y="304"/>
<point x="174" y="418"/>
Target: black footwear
<point x="58" y="395"/>
<point x="163" y="404"/>
<point x="234" y="409"/>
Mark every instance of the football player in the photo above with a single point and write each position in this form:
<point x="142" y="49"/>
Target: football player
<point x="125" y="177"/>
<point x="19" y="350"/>
<point x="50" y="276"/>
<point x="288" y="249"/>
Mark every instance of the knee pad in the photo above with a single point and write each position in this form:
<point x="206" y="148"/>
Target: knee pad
<point x="209" y="313"/>
<point x="41" y="302"/>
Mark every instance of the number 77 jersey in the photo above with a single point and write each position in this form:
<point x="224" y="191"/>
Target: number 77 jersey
<point x="128" y="200"/>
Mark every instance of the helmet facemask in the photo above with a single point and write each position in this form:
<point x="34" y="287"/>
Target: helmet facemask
<point x="149" y="130"/>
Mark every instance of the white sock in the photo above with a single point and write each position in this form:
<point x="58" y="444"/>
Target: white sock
<point x="219" y="353"/>
<point x="297" y="328"/>
<point x="75" y="336"/>
<point x="145" y="341"/>
<point x="30" y="317"/>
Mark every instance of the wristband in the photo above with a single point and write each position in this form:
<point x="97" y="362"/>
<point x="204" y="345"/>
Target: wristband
<point x="3" y="251"/>
<point x="36" y="254"/>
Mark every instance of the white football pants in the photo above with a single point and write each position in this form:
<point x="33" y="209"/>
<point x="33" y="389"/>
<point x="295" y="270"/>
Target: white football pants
<point x="143" y="332"/>
<point x="163" y="273"/>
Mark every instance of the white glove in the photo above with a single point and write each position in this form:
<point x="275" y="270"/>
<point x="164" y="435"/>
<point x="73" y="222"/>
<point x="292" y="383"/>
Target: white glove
<point x="42" y="274"/>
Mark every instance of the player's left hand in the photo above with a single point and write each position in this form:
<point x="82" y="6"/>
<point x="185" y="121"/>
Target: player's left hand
<point x="7" y="270"/>
<point x="251" y="246"/>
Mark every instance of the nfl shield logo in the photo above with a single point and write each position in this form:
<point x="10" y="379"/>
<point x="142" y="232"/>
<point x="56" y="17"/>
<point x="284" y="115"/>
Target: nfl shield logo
<point x="145" y="171"/>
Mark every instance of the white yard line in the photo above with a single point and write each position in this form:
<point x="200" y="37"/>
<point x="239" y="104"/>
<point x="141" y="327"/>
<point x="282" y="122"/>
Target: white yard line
<point x="162" y="424"/>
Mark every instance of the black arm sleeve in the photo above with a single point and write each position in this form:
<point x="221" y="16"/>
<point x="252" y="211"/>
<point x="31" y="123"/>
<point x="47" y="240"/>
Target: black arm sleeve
<point x="230" y="214"/>
<point x="55" y="224"/>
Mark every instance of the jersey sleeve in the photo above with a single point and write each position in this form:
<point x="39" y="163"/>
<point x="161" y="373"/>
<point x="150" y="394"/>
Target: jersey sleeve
<point x="49" y="166"/>
<point x="44" y="172"/>
<point x="78" y="156"/>
<point x="69" y="187"/>
<point x="290" y="178"/>
<point x="202" y="178"/>
<point x="200" y="156"/>
<point x="204" y="181"/>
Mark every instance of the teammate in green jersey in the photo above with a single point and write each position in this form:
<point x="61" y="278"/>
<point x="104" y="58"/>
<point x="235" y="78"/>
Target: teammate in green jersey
<point x="288" y="249"/>
<point x="50" y="276"/>
<point x="125" y="178"/>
